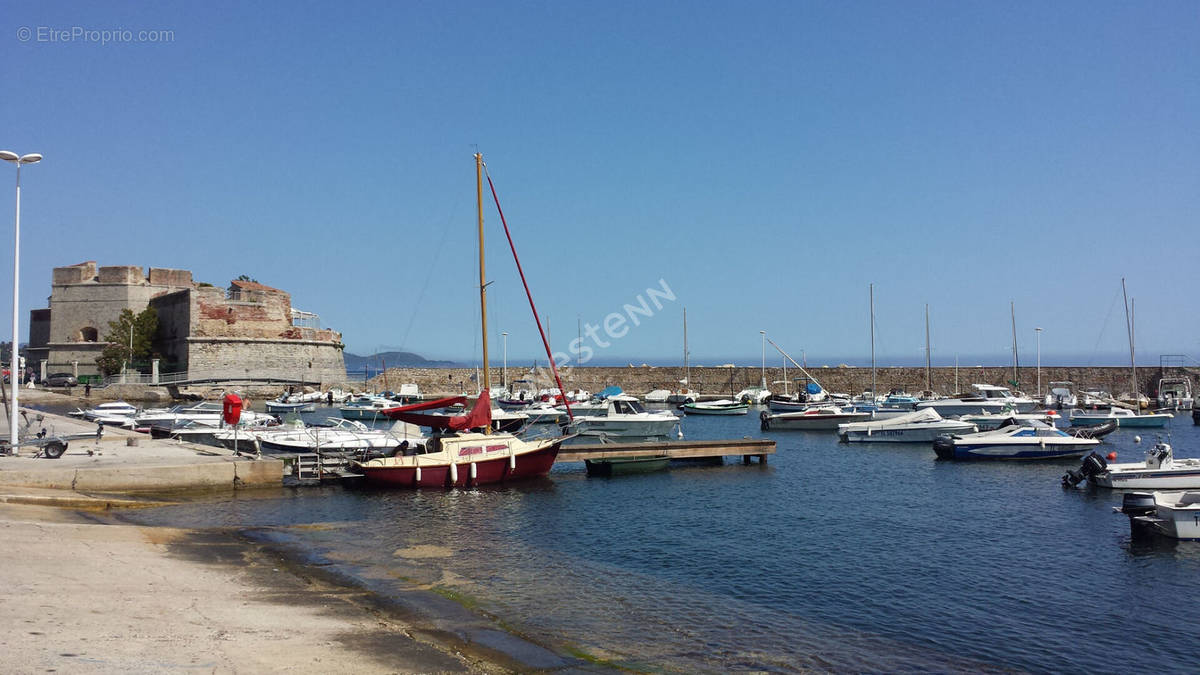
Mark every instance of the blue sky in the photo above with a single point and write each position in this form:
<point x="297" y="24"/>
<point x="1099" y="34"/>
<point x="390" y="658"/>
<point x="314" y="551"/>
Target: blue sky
<point x="768" y="160"/>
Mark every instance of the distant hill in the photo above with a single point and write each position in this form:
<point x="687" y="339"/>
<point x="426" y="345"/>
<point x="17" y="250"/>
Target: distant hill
<point x="354" y="362"/>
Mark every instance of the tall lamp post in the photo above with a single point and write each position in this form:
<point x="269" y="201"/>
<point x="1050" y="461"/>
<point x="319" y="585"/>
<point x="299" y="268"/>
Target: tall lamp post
<point x="764" y="358"/>
<point x="14" y="377"/>
<point x="504" y="372"/>
<point x="1039" y="360"/>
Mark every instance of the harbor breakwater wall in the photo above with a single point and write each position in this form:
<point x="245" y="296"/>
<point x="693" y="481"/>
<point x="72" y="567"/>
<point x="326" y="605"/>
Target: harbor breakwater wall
<point x="720" y="381"/>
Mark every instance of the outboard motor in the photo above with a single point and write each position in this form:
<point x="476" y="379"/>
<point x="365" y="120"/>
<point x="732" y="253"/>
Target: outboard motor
<point x="1159" y="455"/>
<point x="944" y="446"/>
<point x="764" y="420"/>
<point x="1139" y="506"/>
<point x="1092" y="465"/>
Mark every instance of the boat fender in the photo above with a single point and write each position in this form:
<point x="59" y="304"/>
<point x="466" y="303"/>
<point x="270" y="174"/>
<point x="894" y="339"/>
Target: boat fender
<point x="764" y="420"/>
<point x="512" y="462"/>
<point x="418" y="476"/>
<point x="472" y="471"/>
<point x="453" y="473"/>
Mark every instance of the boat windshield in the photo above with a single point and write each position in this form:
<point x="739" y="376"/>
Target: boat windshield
<point x="627" y="407"/>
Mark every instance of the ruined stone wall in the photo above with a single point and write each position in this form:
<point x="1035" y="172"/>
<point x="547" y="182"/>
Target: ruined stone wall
<point x="310" y="361"/>
<point x="717" y="381"/>
<point x="267" y="315"/>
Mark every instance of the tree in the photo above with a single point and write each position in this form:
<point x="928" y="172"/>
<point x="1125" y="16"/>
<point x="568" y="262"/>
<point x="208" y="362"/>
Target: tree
<point x="244" y="277"/>
<point x="129" y="338"/>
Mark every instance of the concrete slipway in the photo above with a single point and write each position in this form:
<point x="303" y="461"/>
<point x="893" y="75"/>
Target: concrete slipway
<point x="126" y="462"/>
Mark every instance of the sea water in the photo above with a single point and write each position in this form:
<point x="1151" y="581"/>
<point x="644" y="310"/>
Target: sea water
<point x="832" y="556"/>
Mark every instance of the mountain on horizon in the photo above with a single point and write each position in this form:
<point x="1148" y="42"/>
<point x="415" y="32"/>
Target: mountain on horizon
<point x="354" y="362"/>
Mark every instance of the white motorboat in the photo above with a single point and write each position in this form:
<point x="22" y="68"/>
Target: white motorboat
<point x="657" y="396"/>
<point x="340" y="435"/>
<point x="367" y="407"/>
<point x="287" y="406"/>
<point x="988" y="421"/>
<point x="920" y="426"/>
<point x="114" y="413"/>
<point x="204" y="412"/>
<point x="625" y="418"/>
<point x="814" y="418"/>
<point x="754" y="395"/>
<point x="1159" y="471"/>
<point x="988" y="398"/>
<point x="1094" y="397"/>
<point x="719" y="407"/>
<point x="683" y="395"/>
<point x="1123" y="417"/>
<point x="1014" y="441"/>
<point x="1174" y="514"/>
<point x="1061" y="396"/>
<point x="1175" y="393"/>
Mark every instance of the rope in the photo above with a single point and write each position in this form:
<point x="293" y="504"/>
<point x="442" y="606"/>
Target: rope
<point x="545" y="343"/>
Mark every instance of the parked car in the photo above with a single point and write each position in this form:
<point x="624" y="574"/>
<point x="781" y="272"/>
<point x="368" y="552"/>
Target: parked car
<point x="61" y="380"/>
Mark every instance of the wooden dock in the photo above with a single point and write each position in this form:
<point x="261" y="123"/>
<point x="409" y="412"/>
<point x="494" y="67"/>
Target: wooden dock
<point x="745" y="447"/>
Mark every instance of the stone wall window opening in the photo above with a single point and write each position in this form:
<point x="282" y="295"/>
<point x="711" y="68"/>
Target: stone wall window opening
<point x="89" y="334"/>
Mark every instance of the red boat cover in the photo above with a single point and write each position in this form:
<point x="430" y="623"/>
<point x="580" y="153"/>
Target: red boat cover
<point x="480" y="415"/>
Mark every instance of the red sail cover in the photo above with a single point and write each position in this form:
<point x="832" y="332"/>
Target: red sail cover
<point x="480" y="415"/>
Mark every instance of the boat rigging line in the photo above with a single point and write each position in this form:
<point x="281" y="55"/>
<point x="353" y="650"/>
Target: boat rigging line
<point x="528" y="294"/>
<point x="789" y="358"/>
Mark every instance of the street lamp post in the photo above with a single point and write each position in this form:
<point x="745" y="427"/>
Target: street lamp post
<point x="31" y="158"/>
<point x="764" y="358"/>
<point x="504" y="371"/>
<point x="1039" y="360"/>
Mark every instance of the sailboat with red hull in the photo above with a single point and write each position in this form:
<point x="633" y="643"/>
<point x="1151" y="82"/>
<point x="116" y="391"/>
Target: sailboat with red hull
<point x="457" y="455"/>
<point x="463" y="452"/>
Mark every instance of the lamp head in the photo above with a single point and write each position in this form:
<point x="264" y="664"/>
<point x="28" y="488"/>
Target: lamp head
<point x="10" y="156"/>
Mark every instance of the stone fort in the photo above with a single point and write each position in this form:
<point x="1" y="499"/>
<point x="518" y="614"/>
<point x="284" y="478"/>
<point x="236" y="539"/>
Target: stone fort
<point x="245" y="331"/>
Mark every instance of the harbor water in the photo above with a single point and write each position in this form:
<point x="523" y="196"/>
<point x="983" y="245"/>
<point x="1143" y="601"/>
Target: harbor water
<point x="863" y="557"/>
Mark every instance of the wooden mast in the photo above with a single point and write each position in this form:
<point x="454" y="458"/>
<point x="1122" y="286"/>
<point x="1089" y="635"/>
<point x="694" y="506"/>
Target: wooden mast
<point x="1132" y="362"/>
<point x="1012" y="307"/>
<point x="487" y="380"/>
<point x="928" y="371"/>
<point x="874" y="395"/>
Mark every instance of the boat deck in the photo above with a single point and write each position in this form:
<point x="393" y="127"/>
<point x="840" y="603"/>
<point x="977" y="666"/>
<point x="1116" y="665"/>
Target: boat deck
<point x="747" y="448"/>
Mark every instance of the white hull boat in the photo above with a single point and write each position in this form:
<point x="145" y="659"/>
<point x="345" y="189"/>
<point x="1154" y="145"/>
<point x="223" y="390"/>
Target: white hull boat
<point x="753" y="395"/>
<point x="625" y="418"/>
<point x="815" y="418"/>
<point x="205" y="412"/>
<point x="1035" y="441"/>
<point x="720" y="407"/>
<point x="913" y="427"/>
<point x="1123" y="417"/>
<point x="989" y="398"/>
<point x="988" y="421"/>
<point x="1174" y="514"/>
<point x="1160" y="471"/>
